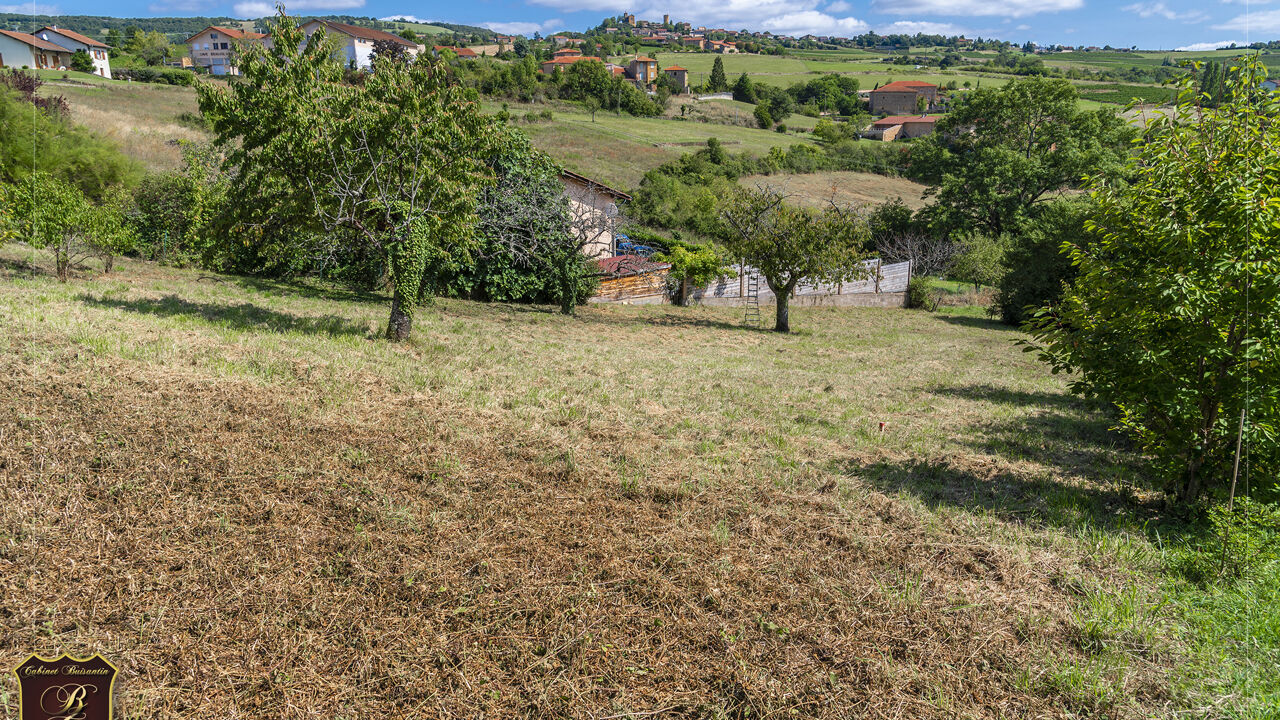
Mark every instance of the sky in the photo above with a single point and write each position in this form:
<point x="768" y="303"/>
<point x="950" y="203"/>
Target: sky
<point x="1148" y="24"/>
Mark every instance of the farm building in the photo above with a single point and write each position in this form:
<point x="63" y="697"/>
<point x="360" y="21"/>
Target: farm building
<point x="902" y="127"/>
<point x="903" y="98"/>
<point x="74" y="41"/>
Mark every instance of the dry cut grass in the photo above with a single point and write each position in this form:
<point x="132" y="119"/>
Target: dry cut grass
<point x="257" y="509"/>
<point x="855" y="188"/>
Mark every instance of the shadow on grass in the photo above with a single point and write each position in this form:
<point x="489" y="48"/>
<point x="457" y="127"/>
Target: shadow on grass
<point x="1088" y="473"/>
<point x="977" y="322"/>
<point x="15" y="268"/>
<point x="239" y="317"/>
<point x="1019" y="398"/>
<point x="303" y="288"/>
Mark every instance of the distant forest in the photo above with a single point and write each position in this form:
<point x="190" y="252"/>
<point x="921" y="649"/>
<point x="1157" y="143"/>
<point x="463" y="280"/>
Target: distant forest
<point x="180" y="28"/>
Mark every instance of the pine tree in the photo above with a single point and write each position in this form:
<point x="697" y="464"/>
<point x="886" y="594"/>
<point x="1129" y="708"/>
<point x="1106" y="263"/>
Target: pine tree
<point x="719" y="82"/>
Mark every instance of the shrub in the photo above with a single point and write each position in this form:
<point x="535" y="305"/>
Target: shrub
<point x="763" y="119"/>
<point x="1241" y="544"/>
<point x="1038" y="269"/>
<point x="921" y="295"/>
<point x="80" y="61"/>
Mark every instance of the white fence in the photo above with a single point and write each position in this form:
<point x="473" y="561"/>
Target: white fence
<point x="878" y="279"/>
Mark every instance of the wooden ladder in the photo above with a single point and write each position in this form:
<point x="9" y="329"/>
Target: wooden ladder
<point x="751" y="301"/>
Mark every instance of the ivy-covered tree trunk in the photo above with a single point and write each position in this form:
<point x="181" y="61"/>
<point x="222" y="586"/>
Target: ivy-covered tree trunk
<point x="401" y="322"/>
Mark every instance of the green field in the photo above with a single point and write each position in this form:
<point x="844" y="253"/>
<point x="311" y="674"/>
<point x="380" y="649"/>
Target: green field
<point x="422" y="29"/>
<point x="618" y="149"/>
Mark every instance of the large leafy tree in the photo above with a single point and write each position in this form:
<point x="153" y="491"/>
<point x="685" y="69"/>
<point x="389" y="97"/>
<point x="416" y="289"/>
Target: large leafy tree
<point x="788" y="245"/>
<point x="1175" y="315"/>
<point x="394" y="163"/>
<point x="1004" y="151"/>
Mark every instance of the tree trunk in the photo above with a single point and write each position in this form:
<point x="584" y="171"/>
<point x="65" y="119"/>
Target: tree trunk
<point x="782" y="323"/>
<point x="108" y="261"/>
<point x="63" y="262"/>
<point x="683" y="298"/>
<point x="401" y="321"/>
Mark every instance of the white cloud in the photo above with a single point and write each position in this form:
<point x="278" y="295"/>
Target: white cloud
<point x="812" y="22"/>
<point x="789" y="17"/>
<point x="999" y="8"/>
<point x="31" y="9"/>
<point x="911" y="27"/>
<point x="1023" y="26"/>
<point x="1159" y="9"/>
<point x="1263" y="22"/>
<point x="406" y="18"/>
<point x="839" y="6"/>
<point x="524" y="28"/>
<point x="1201" y="47"/>
<point x="261" y="8"/>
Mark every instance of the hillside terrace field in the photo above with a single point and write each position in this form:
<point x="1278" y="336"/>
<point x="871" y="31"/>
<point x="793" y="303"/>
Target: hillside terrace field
<point x="256" y="508"/>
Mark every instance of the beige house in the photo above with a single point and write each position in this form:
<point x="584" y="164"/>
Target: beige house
<point x="593" y="208"/>
<point x="213" y="48"/>
<point x="723" y="48"/>
<point x="643" y="71"/>
<point x="19" y="50"/>
<point x="73" y="41"/>
<point x="694" y="42"/>
<point x="903" y="98"/>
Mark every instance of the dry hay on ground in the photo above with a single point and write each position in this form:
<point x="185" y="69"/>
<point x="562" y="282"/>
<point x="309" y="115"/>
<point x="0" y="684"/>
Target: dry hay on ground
<point x="855" y="188"/>
<point x="241" y="554"/>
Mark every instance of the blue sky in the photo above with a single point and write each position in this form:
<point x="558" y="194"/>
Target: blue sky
<point x="1153" y="24"/>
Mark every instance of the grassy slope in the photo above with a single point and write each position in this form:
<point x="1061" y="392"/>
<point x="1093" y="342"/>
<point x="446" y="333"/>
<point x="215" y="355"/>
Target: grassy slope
<point x="261" y="507"/>
<point x="143" y="118"/>
<point x="618" y="149"/>
<point x="519" y="510"/>
<point x="855" y="188"/>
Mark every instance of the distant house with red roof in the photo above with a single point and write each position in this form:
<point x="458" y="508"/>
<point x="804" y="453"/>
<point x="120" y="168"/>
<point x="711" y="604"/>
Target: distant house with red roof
<point x="19" y="49"/>
<point x="679" y="75"/>
<point x="903" y="98"/>
<point x="356" y="43"/>
<point x="902" y="127"/>
<point x="213" y="48"/>
<point x="74" y="41"/>
<point x="461" y="52"/>
<point x="724" y="48"/>
<point x="565" y="61"/>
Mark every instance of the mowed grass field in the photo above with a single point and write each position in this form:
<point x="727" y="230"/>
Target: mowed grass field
<point x="256" y="508"/>
<point x="785" y="71"/>
<point x="617" y="149"/>
<point x="853" y="188"/>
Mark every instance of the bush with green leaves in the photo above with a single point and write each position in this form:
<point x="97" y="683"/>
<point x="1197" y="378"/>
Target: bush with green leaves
<point x="981" y="260"/>
<point x="81" y="62"/>
<point x="921" y="295"/>
<point x="47" y="212"/>
<point x="49" y="142"/>
<point x="692" y="267"/>
<point x="1038" y="270"/>
<point x="1240" y="543"/>
<point x="1174" y="317"/>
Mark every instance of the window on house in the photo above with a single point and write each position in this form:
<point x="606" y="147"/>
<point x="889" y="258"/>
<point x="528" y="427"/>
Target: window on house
<point x="213" y="36"/>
